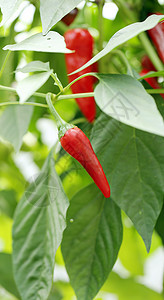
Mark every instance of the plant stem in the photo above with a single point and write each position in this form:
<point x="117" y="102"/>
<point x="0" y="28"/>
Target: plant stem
<point x="128" y="13"/>
<point x="62" y="126"/>
<point x="79" y="120"/>
<point x="151" y="51"/>
<point x="157" y="91"/>
<point x="74" y="96"/>
<point x="124" y="59"/>
<point x="149" y="91"/>
<point x="58" y="83"/>
<point x="72" y="82"/>
<point x="59" y="121"/>
<point x="25" y="103"/>
<point x="10" y="89"/>
<point x="152" y="74"/>
<point x="142" y="36"/>
<point x="4" y="63"/>
<point x="100" y="26"/>
<point x="62" y="97"/>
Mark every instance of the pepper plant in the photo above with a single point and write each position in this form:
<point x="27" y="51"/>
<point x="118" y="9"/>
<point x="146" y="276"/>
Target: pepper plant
<point x="81" y="148"/>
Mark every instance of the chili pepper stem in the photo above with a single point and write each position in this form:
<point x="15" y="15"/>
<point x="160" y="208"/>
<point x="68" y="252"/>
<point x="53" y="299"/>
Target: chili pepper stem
<point x="61" y="124"/>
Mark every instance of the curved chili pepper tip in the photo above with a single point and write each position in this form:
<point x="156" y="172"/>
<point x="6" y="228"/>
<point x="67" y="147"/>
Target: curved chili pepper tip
<point x="76" y="143"/>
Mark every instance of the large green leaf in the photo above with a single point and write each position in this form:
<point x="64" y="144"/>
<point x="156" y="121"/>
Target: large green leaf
<point x="91" y="241"/>
<point x="134" y="163"/>
<point x="123" y="35"/>
<point x="14" y="123"/>
<point x="8" y="202"/>
<point x="37" y="232"/>
<point x="125" y="99"/>
<point x="129" y="288"/>
<point x="53" y="10"/>
<point x="6" y="274"/>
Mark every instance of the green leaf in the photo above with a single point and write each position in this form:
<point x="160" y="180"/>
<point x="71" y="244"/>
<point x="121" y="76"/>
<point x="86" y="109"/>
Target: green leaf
<point x="128" y="288"/>
<point x="52" y="11"/>
<point x="6" y="274"/>
<point x="124" y="98"/>
<point x="52" y="42"/>
<point x="37" y="232"/>
<point x="133" y="161"/>
<point x="28" y="86"/>
<point x="8" y="202"/>
<point x="14" y="123"/>
<point x="91" y="241"/>
<point x="34" y="66"/>
<point x="8" y="8"/>
<point x="122" y="36"/>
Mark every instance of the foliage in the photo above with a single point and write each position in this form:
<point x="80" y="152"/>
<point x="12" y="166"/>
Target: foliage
<point x="38" y="226"/>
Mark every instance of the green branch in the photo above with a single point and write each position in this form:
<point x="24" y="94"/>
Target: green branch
<point x="157" y="91"/>
<point x="151" y="51"/>
<point x="10" y="89"/>
<point x="124" y="60"/>
<point x="74" y="96"/>
<point x="61" y="97"/>
<point x="25" y="103"/>
<point x="74" y="81"/>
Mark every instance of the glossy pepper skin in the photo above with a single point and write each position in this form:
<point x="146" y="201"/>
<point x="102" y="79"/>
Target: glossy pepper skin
<point x="152" y="81"/>
<point x="76" y="143"/>
<point x="157" y="36"/>
<point x="81" y="41"/>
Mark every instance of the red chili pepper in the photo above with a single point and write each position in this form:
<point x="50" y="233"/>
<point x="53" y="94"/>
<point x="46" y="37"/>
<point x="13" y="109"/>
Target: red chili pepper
<point x="69" y="18"/>
<point x="76" y="143"/>
<point x="147" y="64"/>
<point x="157" y="36"/>
<point x="152" y="80"/>
<point x="81" y="41"/>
